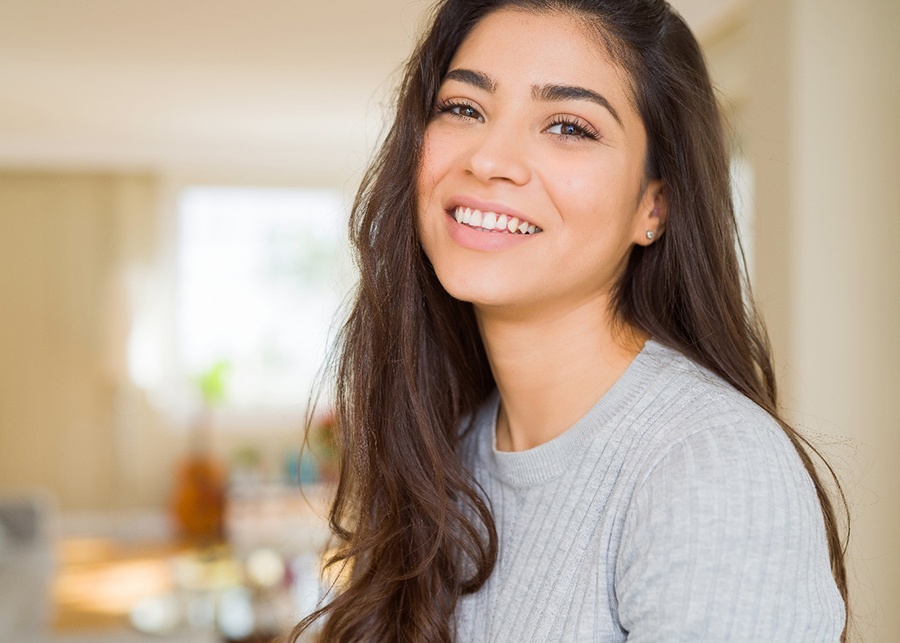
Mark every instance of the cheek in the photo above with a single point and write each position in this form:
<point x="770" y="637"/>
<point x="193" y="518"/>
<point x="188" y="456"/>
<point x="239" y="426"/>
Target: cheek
<point x="598" y="192"/>
<point x="440" y="154"/>
<point x="425" y="193"/>
<point x="426" y="177"/>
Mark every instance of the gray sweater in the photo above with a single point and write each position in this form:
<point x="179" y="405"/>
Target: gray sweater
<point x="674" y="510"/>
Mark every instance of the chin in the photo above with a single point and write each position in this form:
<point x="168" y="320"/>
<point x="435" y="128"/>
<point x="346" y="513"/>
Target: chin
<point x="474" y="289"/>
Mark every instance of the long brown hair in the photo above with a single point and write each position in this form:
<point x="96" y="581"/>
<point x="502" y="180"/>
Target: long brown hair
<point x="415" y="530"/>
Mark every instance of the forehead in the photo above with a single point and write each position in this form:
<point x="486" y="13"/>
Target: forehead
<point x="545" y="47"/>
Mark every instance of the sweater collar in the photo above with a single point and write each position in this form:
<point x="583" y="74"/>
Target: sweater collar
<point x="547" y="461"/>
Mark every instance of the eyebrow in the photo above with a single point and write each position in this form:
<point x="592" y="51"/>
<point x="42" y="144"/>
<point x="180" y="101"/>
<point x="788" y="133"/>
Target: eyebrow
<point x="538" y="92"/>
<point x="470" y="77"/>
<point x="571" y="92"/>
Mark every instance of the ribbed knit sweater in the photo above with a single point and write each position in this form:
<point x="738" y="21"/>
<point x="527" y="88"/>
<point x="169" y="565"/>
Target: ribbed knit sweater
<point x="674" y="510"/>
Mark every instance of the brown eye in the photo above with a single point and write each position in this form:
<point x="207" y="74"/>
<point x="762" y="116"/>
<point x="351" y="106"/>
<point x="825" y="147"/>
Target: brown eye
<point x="460" y="110"/>
<point x="571" y="129"/>
<point x="465" y="110"/>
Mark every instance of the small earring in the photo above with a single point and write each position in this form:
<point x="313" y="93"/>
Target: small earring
<point x="650" y="235"/>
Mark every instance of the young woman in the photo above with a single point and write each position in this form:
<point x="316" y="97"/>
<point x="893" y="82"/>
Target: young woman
<point x="557" y="411"/>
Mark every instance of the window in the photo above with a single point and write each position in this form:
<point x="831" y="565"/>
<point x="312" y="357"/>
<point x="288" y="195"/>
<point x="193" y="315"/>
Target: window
<point x="261" y="277"/>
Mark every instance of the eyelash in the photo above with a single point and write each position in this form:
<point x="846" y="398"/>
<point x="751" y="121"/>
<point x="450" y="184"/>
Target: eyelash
<point x="584" y="131"/>
<point x="447" y="107"/>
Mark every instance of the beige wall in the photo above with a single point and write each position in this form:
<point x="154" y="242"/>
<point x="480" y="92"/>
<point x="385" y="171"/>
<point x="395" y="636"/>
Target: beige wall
<point x="823" y="131"/>
<point x="57" y="248"/>
<point x="70" y="422"/>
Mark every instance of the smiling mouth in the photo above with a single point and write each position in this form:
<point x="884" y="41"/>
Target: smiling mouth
<point x="493" y="222"/>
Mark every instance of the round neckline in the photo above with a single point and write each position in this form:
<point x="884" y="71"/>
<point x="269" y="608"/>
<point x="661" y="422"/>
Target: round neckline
<point x="548" y="460"/>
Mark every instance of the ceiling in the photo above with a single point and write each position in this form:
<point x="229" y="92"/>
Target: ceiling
<point x="292" y="88"/>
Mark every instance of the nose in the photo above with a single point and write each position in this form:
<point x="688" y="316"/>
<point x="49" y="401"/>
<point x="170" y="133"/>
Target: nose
<point x="499" y="154"/>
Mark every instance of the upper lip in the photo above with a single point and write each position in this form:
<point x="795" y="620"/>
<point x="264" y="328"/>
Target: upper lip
<point x="485" y="206"/>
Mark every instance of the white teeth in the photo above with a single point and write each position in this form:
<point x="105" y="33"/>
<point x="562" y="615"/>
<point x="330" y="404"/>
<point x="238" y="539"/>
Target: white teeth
<point x="493" y="221"/>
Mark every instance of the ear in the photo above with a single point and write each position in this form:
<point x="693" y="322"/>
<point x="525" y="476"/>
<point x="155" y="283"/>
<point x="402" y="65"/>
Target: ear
<point x="652" y="213"/>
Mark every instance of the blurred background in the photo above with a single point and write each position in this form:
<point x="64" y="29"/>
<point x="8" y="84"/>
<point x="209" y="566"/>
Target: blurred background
<point x="174" y="183"/>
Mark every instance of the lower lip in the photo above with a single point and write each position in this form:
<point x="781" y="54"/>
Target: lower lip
<point x="479" y="239"/>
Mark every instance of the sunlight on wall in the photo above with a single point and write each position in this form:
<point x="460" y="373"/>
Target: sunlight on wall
<point x="742" y="193"/>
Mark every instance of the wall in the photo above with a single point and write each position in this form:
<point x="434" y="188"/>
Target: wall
<point x="57" y="248"/>
<point x="823" y="135"/>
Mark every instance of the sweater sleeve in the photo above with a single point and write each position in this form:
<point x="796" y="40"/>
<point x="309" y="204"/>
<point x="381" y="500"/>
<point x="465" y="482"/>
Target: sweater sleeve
<point x="724" y="541"/>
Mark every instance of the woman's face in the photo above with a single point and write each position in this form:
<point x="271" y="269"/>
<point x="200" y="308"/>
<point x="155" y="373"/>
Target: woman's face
<point x="531" y="189"/>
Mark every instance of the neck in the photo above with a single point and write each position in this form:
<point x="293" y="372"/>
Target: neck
<point x="551" y="369"/>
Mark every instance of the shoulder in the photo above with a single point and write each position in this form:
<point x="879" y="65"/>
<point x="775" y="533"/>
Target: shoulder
<point x="709" y="451"/>
<point x="723" y="536"/>
<point x="701" y="438"/>
<point x="688" y="407"/>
